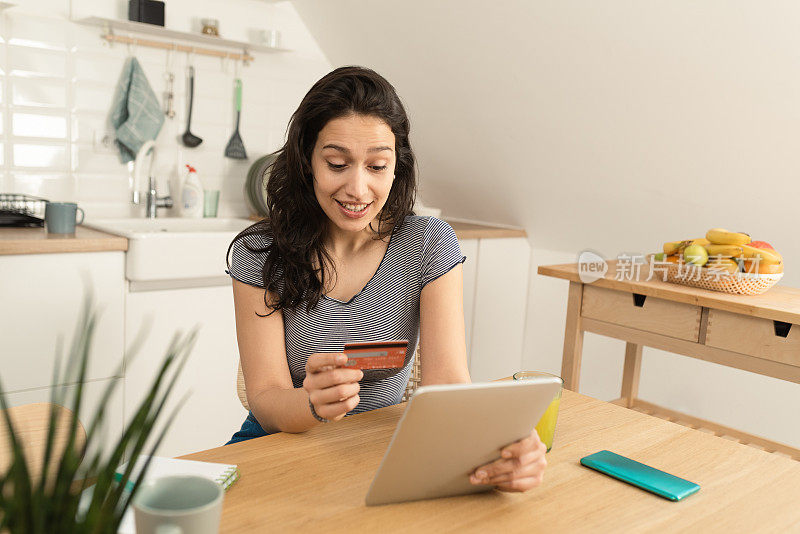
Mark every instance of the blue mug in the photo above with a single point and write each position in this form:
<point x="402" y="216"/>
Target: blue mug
<point x="60" y="217"/>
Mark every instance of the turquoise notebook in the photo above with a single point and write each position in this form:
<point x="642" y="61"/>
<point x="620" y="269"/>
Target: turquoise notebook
<point x="222" y="474"/>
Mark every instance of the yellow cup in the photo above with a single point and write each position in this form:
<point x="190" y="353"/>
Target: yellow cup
<point x="546" y="427"/>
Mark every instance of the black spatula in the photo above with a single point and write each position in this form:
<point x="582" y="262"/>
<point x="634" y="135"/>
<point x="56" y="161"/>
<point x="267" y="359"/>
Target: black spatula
<point x="235" y="148"/>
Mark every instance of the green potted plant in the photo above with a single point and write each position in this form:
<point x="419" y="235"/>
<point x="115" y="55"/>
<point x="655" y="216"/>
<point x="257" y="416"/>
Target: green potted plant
<point x="76" y="492"/>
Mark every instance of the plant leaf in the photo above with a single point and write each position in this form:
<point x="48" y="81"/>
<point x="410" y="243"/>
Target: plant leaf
<point x="51" y="505"/>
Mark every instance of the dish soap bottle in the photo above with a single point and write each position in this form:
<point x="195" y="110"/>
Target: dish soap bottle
<point x="191" y="195"/>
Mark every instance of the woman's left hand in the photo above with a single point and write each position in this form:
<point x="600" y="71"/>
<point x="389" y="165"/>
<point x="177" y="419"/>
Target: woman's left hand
<point x="520" y="468"/>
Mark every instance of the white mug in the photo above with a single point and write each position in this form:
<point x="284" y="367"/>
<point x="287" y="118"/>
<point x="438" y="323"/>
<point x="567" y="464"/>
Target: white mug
<point x="181" y="504"/>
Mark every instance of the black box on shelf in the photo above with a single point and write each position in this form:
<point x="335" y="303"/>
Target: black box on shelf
<point x="148" y="11"/>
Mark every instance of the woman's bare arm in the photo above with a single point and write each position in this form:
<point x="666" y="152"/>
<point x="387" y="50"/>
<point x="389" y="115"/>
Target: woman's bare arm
<point x="273" y="399"/>
<point x="442" y="341"/>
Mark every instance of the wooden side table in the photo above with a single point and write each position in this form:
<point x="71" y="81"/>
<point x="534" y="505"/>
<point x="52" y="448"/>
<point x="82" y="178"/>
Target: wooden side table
<point x="760" y="333"/>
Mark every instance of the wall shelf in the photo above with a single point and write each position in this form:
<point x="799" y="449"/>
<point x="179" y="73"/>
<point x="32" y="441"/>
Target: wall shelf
<point x="208" y="45"/>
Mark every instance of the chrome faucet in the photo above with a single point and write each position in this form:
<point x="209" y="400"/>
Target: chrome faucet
<point x="154" y="201"/>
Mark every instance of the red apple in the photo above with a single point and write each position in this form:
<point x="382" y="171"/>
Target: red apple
<point x="761" y="244"/>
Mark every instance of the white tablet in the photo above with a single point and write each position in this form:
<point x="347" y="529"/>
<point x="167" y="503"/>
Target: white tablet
<point x="447" y="431"/>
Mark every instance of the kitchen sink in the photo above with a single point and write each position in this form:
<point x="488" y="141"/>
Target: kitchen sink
<point x="173" y="248"/>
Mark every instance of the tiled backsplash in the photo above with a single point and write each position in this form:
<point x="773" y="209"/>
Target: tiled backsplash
<point x="58" y="80"/>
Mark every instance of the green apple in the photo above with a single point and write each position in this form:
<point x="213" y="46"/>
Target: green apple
<point x="695" y="255"/>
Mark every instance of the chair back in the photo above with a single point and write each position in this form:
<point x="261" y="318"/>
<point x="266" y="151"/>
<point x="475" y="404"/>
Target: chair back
<point x="241" y="391"/>
<point x="413" y="382"/>
<point x="31" y="424"/>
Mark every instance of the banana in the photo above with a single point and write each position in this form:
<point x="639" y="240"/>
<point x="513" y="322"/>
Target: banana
<point x="722" y="264"/>
<point x="725" y="251"/>
<point x="766" y="256"/>
<point x="676" y="247"/>
<point x="672" y="247"/>
<point x="720" y="236"/>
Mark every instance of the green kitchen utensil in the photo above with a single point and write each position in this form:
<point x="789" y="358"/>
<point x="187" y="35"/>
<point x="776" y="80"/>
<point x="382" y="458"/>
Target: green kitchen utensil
<point x="235" y="148"/>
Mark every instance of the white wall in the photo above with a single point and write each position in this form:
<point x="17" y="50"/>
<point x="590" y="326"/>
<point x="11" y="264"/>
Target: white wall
<point x="612" y="125"/>
<point x="58" y="80"/>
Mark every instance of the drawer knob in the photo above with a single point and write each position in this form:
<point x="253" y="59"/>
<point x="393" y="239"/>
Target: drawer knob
<point x="781" y="329"/>
<point x="638" y="300"/>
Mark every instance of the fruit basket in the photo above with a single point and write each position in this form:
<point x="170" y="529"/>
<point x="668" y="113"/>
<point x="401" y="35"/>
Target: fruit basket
<point x="725" y="261"/>
<point x="734" y="283"/>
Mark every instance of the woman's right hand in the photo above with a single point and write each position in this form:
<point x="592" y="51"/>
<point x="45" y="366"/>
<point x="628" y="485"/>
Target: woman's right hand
<point x="332" y="388"/>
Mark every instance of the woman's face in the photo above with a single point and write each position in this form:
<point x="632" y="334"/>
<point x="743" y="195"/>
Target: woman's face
<point x="353" y="163"/>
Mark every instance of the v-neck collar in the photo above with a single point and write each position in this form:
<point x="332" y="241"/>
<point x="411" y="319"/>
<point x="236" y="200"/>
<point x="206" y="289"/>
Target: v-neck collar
<point x="386" y="253"/>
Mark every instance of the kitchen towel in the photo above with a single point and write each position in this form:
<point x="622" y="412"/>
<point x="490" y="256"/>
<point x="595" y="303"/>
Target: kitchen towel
<point x="135" y="112"/>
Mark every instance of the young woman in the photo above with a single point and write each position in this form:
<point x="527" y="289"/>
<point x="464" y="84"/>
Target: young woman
<point x="341" y="258"/>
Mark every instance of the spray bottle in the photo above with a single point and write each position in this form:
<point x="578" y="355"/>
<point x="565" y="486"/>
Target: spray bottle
<point x="191" y="195"/>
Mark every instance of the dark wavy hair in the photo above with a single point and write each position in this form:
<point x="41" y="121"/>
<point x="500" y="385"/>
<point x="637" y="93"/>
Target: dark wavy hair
<point x="296" y="224"/>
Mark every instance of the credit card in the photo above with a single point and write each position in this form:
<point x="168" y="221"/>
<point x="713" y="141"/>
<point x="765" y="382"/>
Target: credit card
<point x="376" y="354"/>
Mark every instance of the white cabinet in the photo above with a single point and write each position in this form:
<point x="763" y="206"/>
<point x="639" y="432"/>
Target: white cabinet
<point x="212" y="412"/>
<point x="495" y="299"/>
<point x="42" y="299"/>
<point x="93" y="392"/>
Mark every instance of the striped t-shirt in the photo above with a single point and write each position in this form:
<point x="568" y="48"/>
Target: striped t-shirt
<point x="420" y="250"/>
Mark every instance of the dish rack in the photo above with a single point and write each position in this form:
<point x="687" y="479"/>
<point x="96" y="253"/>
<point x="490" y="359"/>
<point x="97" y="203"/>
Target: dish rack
<point x="21" y="211"/>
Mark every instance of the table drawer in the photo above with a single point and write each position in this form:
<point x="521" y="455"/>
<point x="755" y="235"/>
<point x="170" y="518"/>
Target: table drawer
<point x="674" y="319"/>
<point x="763" y="338"/>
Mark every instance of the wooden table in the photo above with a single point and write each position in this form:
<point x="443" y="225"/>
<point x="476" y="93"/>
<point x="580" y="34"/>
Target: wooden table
<point x="317" y="481"/>
<point x="757" y="333"/>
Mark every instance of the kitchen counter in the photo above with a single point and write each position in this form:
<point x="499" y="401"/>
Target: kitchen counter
<point x="471" y="230"/>
<point x="38" y="241"/>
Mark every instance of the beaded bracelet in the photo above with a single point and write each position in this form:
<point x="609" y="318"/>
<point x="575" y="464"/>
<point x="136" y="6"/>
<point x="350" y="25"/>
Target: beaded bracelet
<point x="315" y="414"/>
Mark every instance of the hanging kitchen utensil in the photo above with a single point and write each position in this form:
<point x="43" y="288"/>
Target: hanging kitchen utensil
<point x="188" y="138"/>
<point x="169" y="95"/>
<point x="235" y="148"/>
